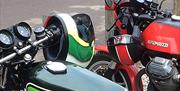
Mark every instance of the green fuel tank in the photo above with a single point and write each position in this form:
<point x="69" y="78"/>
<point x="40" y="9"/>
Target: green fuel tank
<point x="68" y="77"/>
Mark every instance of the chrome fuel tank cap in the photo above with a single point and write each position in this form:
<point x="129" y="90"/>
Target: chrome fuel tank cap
<point x="175" y="18"/>
<point x="56" y="67"/>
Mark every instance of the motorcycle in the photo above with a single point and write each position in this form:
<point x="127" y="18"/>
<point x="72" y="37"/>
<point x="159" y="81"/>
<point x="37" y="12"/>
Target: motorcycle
<point x="125" y="20"/>
<point x="20" y="71"/>
<point x="161" y="56"/>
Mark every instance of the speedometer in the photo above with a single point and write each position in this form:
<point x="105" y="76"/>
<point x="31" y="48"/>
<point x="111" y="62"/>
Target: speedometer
<point x="23" y="31"/>
<point x="6" y="39"/>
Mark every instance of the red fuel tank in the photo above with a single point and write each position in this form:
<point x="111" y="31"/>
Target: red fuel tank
<point x="163" y="36"/>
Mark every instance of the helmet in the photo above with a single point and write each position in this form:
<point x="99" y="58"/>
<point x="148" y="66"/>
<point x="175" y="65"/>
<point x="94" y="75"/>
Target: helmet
<point x="78" y="40"/>
<point x="81" y="40"/>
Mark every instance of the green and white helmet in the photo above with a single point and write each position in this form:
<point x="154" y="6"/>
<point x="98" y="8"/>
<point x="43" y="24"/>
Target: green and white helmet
<point x="80" y="34"/>
<point x="81" y="40"/>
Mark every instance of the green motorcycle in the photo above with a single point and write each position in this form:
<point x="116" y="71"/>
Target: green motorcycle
<point x="20" y="71"/>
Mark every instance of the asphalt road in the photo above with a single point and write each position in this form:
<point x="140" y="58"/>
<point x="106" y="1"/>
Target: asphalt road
<point x="31" y="11"/>
<point x="14" y="11"/>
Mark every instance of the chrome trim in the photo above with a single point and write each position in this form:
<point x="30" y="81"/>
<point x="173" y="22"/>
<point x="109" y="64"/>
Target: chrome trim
<point x="123" y="39"/>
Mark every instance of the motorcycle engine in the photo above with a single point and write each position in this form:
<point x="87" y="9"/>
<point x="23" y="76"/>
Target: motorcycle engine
<point x="162" y="73"/>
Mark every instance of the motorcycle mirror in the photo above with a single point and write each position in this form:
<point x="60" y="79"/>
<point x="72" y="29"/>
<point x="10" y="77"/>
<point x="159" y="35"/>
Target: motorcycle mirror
<point x="160" y="6"/>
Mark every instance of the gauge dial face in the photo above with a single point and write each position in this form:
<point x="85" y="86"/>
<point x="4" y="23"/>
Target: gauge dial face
<point x="5" y="39"/>
<point x="23" y="31"/>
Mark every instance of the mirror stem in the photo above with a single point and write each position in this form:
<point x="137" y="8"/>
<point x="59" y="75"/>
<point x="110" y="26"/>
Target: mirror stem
<point x="161" y="4"/>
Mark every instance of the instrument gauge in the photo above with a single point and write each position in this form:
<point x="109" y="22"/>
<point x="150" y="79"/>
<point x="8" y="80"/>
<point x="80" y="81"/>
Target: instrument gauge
<point x="6" y="39"/>
<point x="23" y="31"/>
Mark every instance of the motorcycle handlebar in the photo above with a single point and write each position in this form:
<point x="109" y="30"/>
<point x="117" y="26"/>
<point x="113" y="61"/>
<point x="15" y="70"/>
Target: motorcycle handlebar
<point x="24" y="49"/>
<point x="146" y="17"/>
<point x="154" y="15"/>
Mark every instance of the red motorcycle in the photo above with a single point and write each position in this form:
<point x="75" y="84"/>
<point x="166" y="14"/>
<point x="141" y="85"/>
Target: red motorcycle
<point x="115" y="60"/>
<point x="161" y="56"/>
<point x="124" y="48"/>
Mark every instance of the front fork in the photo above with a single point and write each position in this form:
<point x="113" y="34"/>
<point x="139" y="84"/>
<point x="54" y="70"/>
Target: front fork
<point x="3" y="77"/>
<point x="9" y="80"/>
<point x="110" y="71"/>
